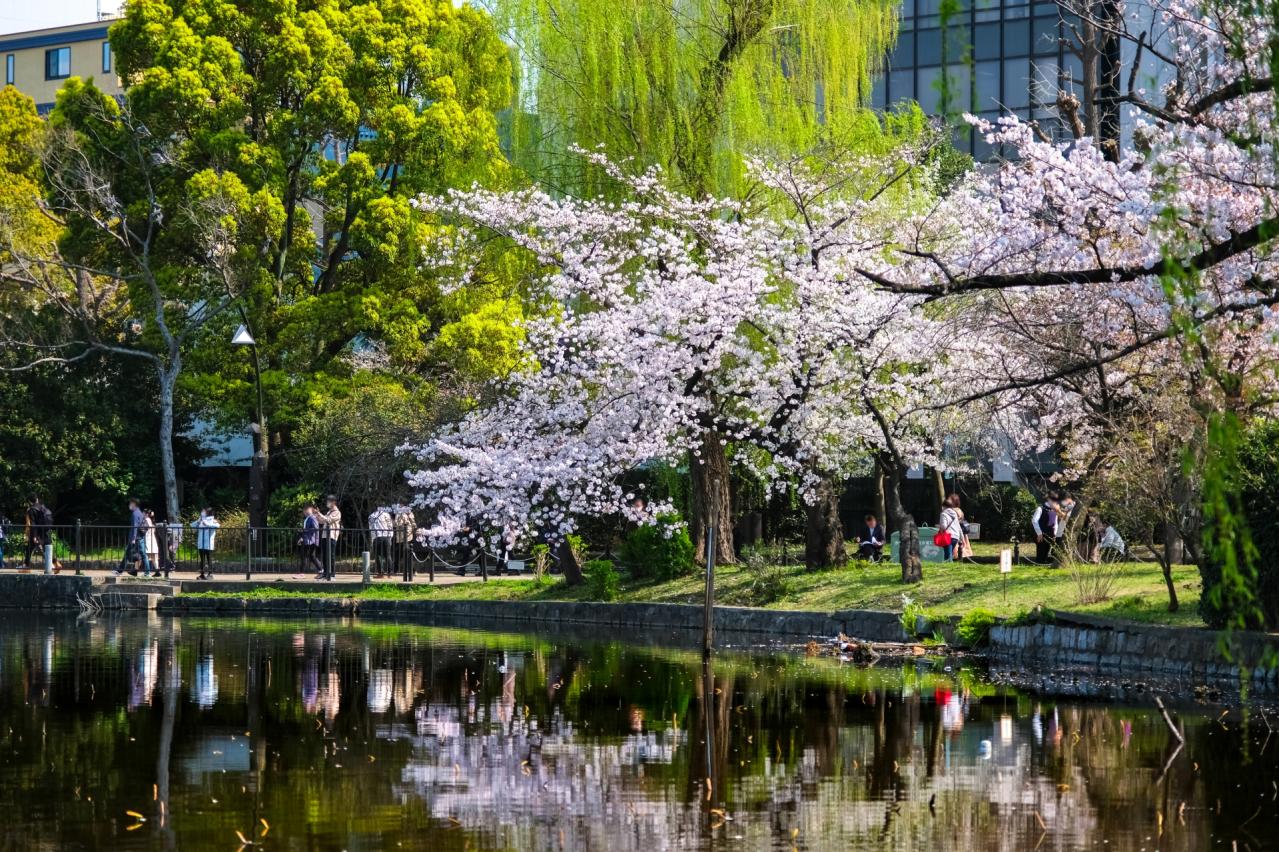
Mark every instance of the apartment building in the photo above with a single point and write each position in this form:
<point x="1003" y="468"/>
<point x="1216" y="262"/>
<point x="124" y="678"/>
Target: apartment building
<point x="38" y="62"/>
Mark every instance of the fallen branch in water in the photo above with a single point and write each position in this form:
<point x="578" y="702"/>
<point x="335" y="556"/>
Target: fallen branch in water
<point x="1176" y="733"/>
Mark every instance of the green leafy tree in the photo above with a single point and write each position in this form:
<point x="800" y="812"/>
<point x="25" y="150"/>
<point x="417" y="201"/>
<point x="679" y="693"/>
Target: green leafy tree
<point x="342" y="112"/>
<point x="148" y="254"/>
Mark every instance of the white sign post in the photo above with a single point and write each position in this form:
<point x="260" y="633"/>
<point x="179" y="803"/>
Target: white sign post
<point x="1005" y="568"/>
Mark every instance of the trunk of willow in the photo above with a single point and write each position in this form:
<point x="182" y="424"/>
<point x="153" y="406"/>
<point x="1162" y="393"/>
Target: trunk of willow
<point x="709" y="472"/>
<point x="168" y="377"/>
<point x="908" y="532"/>
<point x="824" y="537"/>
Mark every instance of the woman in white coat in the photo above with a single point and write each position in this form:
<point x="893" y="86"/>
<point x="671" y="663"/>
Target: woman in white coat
<point x="149" y="543"/>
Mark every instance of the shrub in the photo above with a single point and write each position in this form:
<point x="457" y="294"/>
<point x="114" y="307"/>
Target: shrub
<point x="1250" y="595"/>
<point x="660" y="551"/>
<point x="602" y="580"/>
<point x="541" y="562"/>
<point x="769" y="581"/>
<point x="974" y="628"/>
<point x="1094" y="581"/>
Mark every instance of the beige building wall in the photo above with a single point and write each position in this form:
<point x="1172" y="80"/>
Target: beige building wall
<point x="29" y="49"/>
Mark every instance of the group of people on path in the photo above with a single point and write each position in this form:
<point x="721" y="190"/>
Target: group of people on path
<point x="1049" y="524"/>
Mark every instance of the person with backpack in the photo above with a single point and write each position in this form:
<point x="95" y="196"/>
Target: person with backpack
<point x="206" y="527"/>
<point x="39" y="524"/>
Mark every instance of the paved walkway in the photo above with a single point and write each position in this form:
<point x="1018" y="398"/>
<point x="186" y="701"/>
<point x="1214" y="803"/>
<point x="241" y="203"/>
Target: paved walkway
<point x="344" y="581"/>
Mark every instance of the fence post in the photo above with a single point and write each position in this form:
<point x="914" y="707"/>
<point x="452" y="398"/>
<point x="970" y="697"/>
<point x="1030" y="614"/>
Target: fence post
<point x="364" y="558"/>
<point x="77" y="547"/>
<point x="430" y="566"/>
<point x="249" y="535"/>
<point x="48" y="559"/>
<point x="708" y="613"/>
<point x="484" y="565"/>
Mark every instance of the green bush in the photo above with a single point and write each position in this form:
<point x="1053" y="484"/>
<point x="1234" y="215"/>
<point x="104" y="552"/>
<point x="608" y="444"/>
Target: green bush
<point x="602" y="580"/>
<point x="974" y="628"/>
<point x="660" y="551"/>
<point x="1250" y="596"/>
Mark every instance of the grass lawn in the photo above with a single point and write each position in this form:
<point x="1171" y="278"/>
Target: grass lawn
<point x="1137" y="594"/>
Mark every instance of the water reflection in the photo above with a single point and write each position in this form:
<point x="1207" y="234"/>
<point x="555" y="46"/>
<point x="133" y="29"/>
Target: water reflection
<point x="330" y="736"/>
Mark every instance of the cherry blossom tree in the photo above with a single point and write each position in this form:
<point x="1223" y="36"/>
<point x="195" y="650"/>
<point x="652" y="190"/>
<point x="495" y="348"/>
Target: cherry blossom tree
<point x="669" y="324"/>
<point x="1110" y="276"/>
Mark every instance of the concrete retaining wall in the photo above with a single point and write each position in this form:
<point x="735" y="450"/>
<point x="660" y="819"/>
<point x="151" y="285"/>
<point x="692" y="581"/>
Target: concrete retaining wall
<point x="43" y="591"/>
<point x="787" y="625"/>
<point x="1098" y="646"/>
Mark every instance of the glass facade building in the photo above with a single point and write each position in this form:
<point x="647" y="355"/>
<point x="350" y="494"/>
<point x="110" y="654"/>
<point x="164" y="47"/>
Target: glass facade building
<point x="998" y="56"/>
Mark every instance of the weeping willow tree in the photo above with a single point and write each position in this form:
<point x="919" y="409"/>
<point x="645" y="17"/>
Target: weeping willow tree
<point x="686" y="84"/>
<point x="689" y="85"/>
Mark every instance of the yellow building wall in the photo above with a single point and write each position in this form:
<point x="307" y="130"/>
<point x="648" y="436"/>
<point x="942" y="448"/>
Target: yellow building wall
<point x="86" y="62"/>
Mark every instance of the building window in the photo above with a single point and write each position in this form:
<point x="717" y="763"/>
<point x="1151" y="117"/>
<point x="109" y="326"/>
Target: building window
<point x="8" y="70"/>
<point x="57" y="63"/>
<point x="106" y="57"/>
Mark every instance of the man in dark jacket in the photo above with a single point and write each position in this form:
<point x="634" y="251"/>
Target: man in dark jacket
<point x="39" y="528"/>
<point x="135" y="543"/>
<point x="870" y="540"/>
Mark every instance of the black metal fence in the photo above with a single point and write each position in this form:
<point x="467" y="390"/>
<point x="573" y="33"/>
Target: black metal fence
<point x="253" y="551"/>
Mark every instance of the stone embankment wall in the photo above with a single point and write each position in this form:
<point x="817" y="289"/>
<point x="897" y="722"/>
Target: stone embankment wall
<point x="782" y="625"/>
<point x="44" y="591"/>
<point x="1135" y="651"/>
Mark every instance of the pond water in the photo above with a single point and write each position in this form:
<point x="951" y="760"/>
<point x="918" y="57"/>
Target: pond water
<point x="147" y="733"/>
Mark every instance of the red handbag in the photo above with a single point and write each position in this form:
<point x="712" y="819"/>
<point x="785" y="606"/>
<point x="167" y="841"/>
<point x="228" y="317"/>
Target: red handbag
<point x="942" y="539"/>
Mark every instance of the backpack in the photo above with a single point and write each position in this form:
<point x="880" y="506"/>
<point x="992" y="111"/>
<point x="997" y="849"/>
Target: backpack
<point x="44" y="517"/>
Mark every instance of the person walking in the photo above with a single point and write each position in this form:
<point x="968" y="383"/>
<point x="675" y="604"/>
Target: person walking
<point x="4" y="529"/>
<point x="206" y="527"/>
<point x="405" y="525"/>
<point x="169" y="538"/>
<point x="870" y="541"/>
<point x="39" y="529"/>
<point x="381" y="528"/>
<point x="150" y="545"/>
<point x="310" y="540"/>
<point x="1044" y="523"/>
<point x="330" y="529"/>
<point x="950" y="527"/>
<point x="135" y="549"/>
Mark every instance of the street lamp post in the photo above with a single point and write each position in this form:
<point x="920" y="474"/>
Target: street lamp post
<point x="258" y="468"/>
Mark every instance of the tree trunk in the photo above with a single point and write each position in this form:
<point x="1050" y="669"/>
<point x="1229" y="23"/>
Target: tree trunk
<point x="824" y="540"/>
<point x="881" y="510"/>
<point x="908" y="532"/>
<point x="709" y="473"/>
<point x="1174" y="553"/>
<point x="168" y="379"/>
<point x="570" y="566"/>
<point x="939" y="491"/>
<point x="1166" y="565"/>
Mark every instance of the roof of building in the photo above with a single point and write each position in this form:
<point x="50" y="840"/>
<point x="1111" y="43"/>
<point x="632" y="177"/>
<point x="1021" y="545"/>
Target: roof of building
<point x="53" y="36"/>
